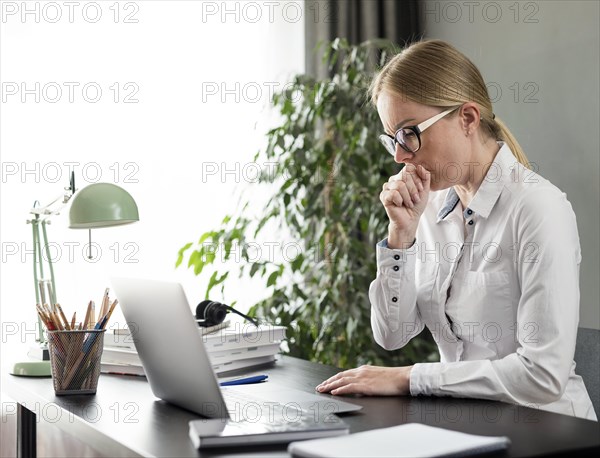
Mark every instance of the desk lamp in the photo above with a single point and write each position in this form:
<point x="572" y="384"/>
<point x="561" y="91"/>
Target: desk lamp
<point x="95" y="206"/>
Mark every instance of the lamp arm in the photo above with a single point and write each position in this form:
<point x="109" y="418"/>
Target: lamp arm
<point x="46" y="210"/>
<point x="35" y="260"/>
<point x="65" y="196"/>
<point x="36" y="257"/>
<point x="49" y="260"/>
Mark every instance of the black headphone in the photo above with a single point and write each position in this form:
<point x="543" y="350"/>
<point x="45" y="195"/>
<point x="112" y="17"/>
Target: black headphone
<point x="210" y="313"/>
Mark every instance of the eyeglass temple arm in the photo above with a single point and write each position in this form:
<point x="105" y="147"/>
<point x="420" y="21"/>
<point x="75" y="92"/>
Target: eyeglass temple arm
<point x="425" y="124"/>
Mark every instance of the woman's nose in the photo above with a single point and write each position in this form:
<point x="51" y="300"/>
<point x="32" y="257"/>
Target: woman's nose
<point x="402" y="155"/>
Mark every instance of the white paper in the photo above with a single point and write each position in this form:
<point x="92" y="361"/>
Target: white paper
<point x="410" y="440"/>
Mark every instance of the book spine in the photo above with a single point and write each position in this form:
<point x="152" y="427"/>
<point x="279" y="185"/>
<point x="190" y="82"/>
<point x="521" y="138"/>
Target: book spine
<point x="120" y="357"/>
<point x="212" y="342"/>
<point x="231" y="341"/>
<point x="243" y="353"/>
<point x="244" y="363"/>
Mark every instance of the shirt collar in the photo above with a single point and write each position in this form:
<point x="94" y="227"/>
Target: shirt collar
<point x="449" y="204"/>
<point x="490" y="189"/>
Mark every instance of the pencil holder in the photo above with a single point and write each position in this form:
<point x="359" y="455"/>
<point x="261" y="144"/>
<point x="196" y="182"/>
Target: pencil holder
<point x="75" y="360"/>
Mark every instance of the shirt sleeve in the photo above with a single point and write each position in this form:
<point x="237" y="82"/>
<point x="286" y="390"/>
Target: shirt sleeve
<point x="547" y="263"/>
<point x="393" y="296"/>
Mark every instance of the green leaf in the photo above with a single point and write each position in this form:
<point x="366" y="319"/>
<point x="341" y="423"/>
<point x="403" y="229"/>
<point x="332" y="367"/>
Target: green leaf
<point x="181" y="252"/>
<point x="205" y="237"/>
<point x="272" y="278"/>
<point x="214" y="281"/>
<point x="254" y="268"/>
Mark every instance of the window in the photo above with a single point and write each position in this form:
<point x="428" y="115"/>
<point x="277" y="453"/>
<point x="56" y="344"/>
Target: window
<point x="166" y="99"/>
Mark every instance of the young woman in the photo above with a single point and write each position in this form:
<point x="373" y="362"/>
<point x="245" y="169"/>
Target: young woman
<point x="480" y="249"/>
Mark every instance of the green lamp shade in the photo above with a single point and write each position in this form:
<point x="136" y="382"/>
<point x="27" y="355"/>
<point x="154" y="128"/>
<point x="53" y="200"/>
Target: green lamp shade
<point x="102" y="205"/>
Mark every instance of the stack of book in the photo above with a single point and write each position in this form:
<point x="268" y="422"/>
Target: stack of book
<point x="229" y="347"/>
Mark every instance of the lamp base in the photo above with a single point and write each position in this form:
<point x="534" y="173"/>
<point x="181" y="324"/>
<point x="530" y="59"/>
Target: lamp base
<point x="32" y="369"/>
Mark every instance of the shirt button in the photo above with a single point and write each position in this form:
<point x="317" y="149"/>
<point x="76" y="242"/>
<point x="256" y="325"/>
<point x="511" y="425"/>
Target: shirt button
<point x="394" y="299"/>
<point x="396" y="257"/>
<point x="396" y="268"/>
<point x="471" y="223"/>
<point x="470" y="212"/>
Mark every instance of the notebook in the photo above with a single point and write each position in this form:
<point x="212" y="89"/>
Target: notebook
<point x="411" y="440"/>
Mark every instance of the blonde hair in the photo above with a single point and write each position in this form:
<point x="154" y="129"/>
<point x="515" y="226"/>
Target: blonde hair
<point x="434" y="73"/>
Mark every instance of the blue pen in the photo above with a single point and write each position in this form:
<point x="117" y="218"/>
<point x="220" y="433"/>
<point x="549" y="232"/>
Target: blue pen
<point x="245" y="380"/>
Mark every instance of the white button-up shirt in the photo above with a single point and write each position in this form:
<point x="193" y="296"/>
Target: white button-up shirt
<point x="497" y="284"/>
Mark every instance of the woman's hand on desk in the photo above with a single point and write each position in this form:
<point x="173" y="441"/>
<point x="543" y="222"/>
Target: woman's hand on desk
<point x="369" y="380"/>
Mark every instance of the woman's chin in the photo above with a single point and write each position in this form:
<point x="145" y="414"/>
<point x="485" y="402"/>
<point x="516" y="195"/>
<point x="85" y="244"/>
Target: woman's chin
<point x="437" y="186"/>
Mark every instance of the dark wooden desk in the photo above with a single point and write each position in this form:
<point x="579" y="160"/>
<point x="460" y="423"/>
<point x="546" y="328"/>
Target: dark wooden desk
<point x="125" y="419"/>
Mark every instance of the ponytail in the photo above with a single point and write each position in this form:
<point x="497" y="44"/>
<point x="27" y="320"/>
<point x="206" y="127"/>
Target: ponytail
<point x="513" y="144"/>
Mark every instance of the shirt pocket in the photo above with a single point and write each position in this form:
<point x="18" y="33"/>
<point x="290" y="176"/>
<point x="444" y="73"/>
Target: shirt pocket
<point x="484" y="304"/>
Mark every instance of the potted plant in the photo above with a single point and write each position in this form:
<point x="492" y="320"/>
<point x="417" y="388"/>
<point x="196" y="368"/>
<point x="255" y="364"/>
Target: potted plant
<point x="328" y="172"/>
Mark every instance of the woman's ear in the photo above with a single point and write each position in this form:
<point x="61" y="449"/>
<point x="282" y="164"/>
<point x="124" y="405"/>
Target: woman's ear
<point x="469" y="118"/>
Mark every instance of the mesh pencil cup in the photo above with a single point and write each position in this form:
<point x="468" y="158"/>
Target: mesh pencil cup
<point x="75" y="360"/>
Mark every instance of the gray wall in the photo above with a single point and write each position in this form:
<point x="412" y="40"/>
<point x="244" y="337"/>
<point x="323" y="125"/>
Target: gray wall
<point x="550" y="52"/>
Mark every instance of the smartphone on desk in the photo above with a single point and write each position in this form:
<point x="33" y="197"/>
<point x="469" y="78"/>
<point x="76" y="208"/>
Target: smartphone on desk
<point x="276" y="426"/>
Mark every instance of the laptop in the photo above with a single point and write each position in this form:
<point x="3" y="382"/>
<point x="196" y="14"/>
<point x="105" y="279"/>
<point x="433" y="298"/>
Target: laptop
<point x="179" y="371"/>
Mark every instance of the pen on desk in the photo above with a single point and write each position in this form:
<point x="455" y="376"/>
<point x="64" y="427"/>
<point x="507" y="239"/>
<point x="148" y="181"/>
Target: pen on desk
<point x="245" y="380"/>
<point x="124" y="373"/>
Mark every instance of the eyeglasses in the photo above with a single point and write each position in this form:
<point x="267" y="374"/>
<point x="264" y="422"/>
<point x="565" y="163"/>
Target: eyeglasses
<point x="409" y="137"/>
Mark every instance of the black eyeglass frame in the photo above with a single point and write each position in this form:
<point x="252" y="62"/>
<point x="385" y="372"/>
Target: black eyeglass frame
<point x="416" y="129"/>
